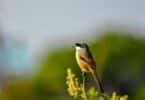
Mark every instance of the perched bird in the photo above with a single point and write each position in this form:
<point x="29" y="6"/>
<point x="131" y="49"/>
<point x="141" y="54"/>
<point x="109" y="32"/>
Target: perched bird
<point x="87" y="63"/>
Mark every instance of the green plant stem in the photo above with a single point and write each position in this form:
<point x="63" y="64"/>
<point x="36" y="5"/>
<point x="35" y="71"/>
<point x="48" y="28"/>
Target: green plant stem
<point x="84" y="88"/>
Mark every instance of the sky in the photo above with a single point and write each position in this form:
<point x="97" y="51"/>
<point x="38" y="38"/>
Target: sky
<point x="53" y="17"/>
<point x="42" y="23"/>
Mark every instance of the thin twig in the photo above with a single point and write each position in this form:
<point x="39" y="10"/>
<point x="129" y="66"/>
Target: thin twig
<point x="84" y="88"/>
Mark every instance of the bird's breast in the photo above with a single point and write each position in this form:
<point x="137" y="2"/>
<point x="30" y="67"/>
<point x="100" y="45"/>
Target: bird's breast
<point x="82" y="64"/>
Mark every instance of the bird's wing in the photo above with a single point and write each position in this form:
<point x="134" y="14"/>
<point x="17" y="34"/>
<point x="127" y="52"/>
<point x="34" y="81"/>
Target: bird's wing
<point x="89" y="60"/>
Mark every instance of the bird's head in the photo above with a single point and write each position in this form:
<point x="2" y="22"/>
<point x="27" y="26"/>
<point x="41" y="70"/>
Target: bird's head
<point x="80" y="46"/>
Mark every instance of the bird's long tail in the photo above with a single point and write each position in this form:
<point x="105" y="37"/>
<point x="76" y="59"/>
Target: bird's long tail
<point x="97" y="81"/>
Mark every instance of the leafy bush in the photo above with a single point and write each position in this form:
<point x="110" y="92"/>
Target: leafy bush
<point x="77" y="90"/>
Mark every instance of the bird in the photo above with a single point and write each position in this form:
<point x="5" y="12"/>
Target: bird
<point x="87" y="63"/>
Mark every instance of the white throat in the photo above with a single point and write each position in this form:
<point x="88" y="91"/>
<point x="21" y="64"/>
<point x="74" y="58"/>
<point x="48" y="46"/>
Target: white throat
<point x="78" y="48"/>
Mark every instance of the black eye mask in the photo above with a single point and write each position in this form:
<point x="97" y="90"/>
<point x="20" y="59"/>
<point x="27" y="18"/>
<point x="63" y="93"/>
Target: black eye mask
<point x="78" y="44"/>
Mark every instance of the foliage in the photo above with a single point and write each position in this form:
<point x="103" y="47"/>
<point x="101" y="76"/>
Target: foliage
<point x="75" y="89"/>
<point x="120" y="61"/>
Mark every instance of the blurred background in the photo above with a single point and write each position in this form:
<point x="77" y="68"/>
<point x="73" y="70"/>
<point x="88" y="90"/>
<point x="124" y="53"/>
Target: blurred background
<point x="36" y="38"/>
